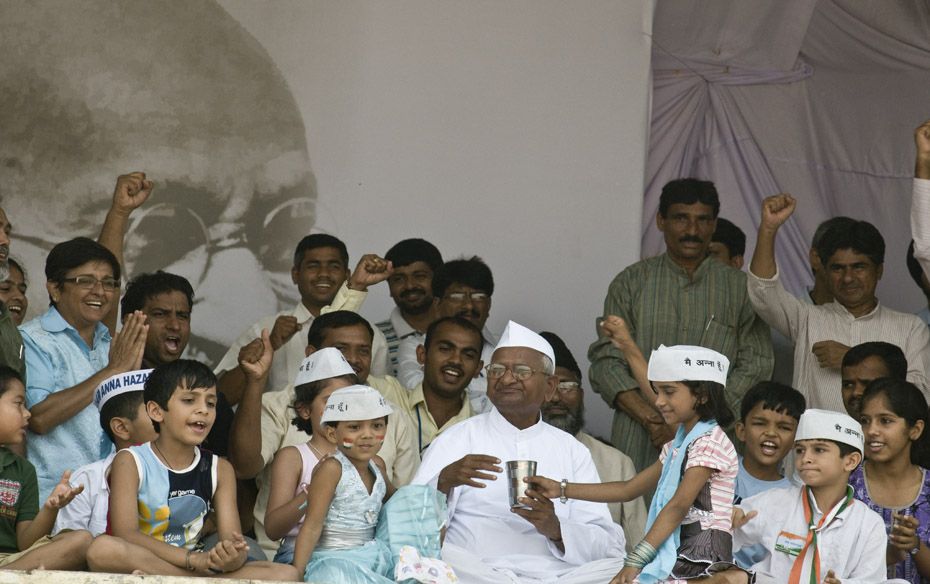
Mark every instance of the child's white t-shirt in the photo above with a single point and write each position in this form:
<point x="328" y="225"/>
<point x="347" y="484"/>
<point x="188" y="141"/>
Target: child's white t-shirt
<point x="852" y="544"/>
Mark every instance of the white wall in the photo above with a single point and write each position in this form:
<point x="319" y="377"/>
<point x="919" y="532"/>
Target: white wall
<point x="512" y="130"/>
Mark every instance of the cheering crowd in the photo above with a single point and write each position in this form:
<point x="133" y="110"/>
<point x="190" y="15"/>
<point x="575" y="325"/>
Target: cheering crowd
<point x="757" y="436"/>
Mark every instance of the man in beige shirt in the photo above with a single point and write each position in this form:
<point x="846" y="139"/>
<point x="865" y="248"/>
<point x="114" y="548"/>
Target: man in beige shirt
<point x="565" y="411"/>
<point x="451" y="358"/>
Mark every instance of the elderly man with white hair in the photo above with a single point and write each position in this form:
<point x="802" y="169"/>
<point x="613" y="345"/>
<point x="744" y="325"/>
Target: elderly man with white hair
<point x="567" y="541"/>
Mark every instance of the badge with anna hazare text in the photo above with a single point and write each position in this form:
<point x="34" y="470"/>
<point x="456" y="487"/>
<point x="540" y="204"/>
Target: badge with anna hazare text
<point x="789" y="543"/>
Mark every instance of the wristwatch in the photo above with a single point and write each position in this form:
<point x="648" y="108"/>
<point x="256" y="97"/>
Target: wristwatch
<point x="563" y="484"/>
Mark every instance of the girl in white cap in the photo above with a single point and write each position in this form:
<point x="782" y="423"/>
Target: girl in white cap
<point x="337" y="541"/>
<point x="319" y="375"/>
<point x="688" y="528"/>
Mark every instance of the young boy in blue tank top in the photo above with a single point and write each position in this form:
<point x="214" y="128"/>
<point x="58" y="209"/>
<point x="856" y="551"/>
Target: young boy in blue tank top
<point x="162" y="491"/>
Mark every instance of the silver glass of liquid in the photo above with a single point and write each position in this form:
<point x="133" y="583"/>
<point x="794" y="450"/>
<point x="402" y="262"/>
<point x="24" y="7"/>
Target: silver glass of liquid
<point x="517" y="470"/>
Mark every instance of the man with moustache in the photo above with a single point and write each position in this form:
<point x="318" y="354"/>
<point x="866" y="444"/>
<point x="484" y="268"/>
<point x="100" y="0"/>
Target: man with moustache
<point x="411" y="285"/>
<point x="565" y="411"/>
<point x="464" y="288"/>
<point x="679" y="297"/>
<point x="167" y="300"/>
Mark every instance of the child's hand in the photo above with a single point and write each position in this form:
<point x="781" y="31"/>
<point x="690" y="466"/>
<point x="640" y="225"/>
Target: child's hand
<point x="228" y="555"/>
<point x="739" y="518"/>
<point x="626" y="575"/>
<point x="546" y="487"/>
<point x="256" y="362"/>
<point x="831" y="578"/>
<point x="616" y="330"/>
<point x="63" y="493"/>
<point x="903" y="536"/>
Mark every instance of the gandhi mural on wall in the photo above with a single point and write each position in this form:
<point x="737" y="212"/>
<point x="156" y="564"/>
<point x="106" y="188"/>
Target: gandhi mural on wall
<point x="177" y="89"/>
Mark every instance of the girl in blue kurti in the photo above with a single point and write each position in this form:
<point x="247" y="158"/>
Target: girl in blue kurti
<point x="337" y="540"/>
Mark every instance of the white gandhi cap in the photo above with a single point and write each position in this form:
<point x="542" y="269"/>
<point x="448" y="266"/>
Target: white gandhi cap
<point x="322" y="364"/>
<point x="517" y="335"/>
<point x="829" y="425"/>
<point x="119" y="384"/>
<point x="687" y="363"/>
<point x="356" y="402"/>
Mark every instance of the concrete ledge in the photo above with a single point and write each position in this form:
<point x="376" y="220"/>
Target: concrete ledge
<point x="56" y="577"/>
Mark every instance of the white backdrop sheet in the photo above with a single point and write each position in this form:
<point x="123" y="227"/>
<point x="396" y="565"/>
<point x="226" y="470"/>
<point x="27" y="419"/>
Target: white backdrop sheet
<point x="819" y="99"/>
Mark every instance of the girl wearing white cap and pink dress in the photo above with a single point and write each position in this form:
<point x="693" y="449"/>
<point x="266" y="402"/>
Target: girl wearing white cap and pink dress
<point x="688" y="527"/>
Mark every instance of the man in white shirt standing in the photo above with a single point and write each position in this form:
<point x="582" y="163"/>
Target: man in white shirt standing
<point x="487" y="541"/>
<point x="853" y="258"/>
<point x="321" y="274"/>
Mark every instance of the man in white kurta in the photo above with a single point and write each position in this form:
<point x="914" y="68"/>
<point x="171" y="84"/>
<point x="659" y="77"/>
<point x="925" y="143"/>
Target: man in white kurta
<point x="486" y="541"/>
<point x="823" y="334"/>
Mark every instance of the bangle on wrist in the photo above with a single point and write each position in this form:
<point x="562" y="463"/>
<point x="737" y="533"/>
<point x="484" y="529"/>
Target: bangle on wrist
<point x="641" y="556"/>
<point x="563" y="484"/>
<point x="187" y="561"/>
<point x="913" y="551"/>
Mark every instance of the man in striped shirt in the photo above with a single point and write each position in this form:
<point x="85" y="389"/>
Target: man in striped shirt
<point x="411" y="286"/>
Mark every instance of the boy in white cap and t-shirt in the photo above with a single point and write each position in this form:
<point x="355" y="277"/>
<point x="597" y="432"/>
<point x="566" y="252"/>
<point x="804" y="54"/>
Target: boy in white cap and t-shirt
<point x="817" y="532"/>
<point x="125" y="421"/>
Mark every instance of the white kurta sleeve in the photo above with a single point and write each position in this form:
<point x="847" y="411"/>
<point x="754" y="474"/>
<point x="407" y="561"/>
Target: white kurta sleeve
<point x="920" y="222"/>
<point x="753" y="531"/>
<point x="776" y="306"/>
<point x="409" y="371"/>
<point x="231" y="359"/>
<point x="867" y="554"/>
<point x="443" y="451"/>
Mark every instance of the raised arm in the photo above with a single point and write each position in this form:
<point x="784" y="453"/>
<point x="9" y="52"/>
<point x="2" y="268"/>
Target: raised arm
<point x="245" y="452"/>
<point x="775" y="211"/>
<point x="132" y="190"/>
<point x="619" y="334"/>
<point x="920" y="200"/>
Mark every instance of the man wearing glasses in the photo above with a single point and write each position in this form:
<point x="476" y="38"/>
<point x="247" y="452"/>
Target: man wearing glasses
<point x="464" y="288"/>
<point x="540" y="540"/>
<point x="565" y="411"/>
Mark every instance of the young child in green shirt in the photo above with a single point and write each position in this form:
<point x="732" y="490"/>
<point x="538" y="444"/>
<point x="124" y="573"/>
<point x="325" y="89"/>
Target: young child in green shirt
<point x="24" y="527"/>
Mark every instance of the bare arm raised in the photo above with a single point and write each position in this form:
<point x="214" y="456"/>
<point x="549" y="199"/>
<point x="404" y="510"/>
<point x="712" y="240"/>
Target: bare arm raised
<point x="775" y="211"/>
